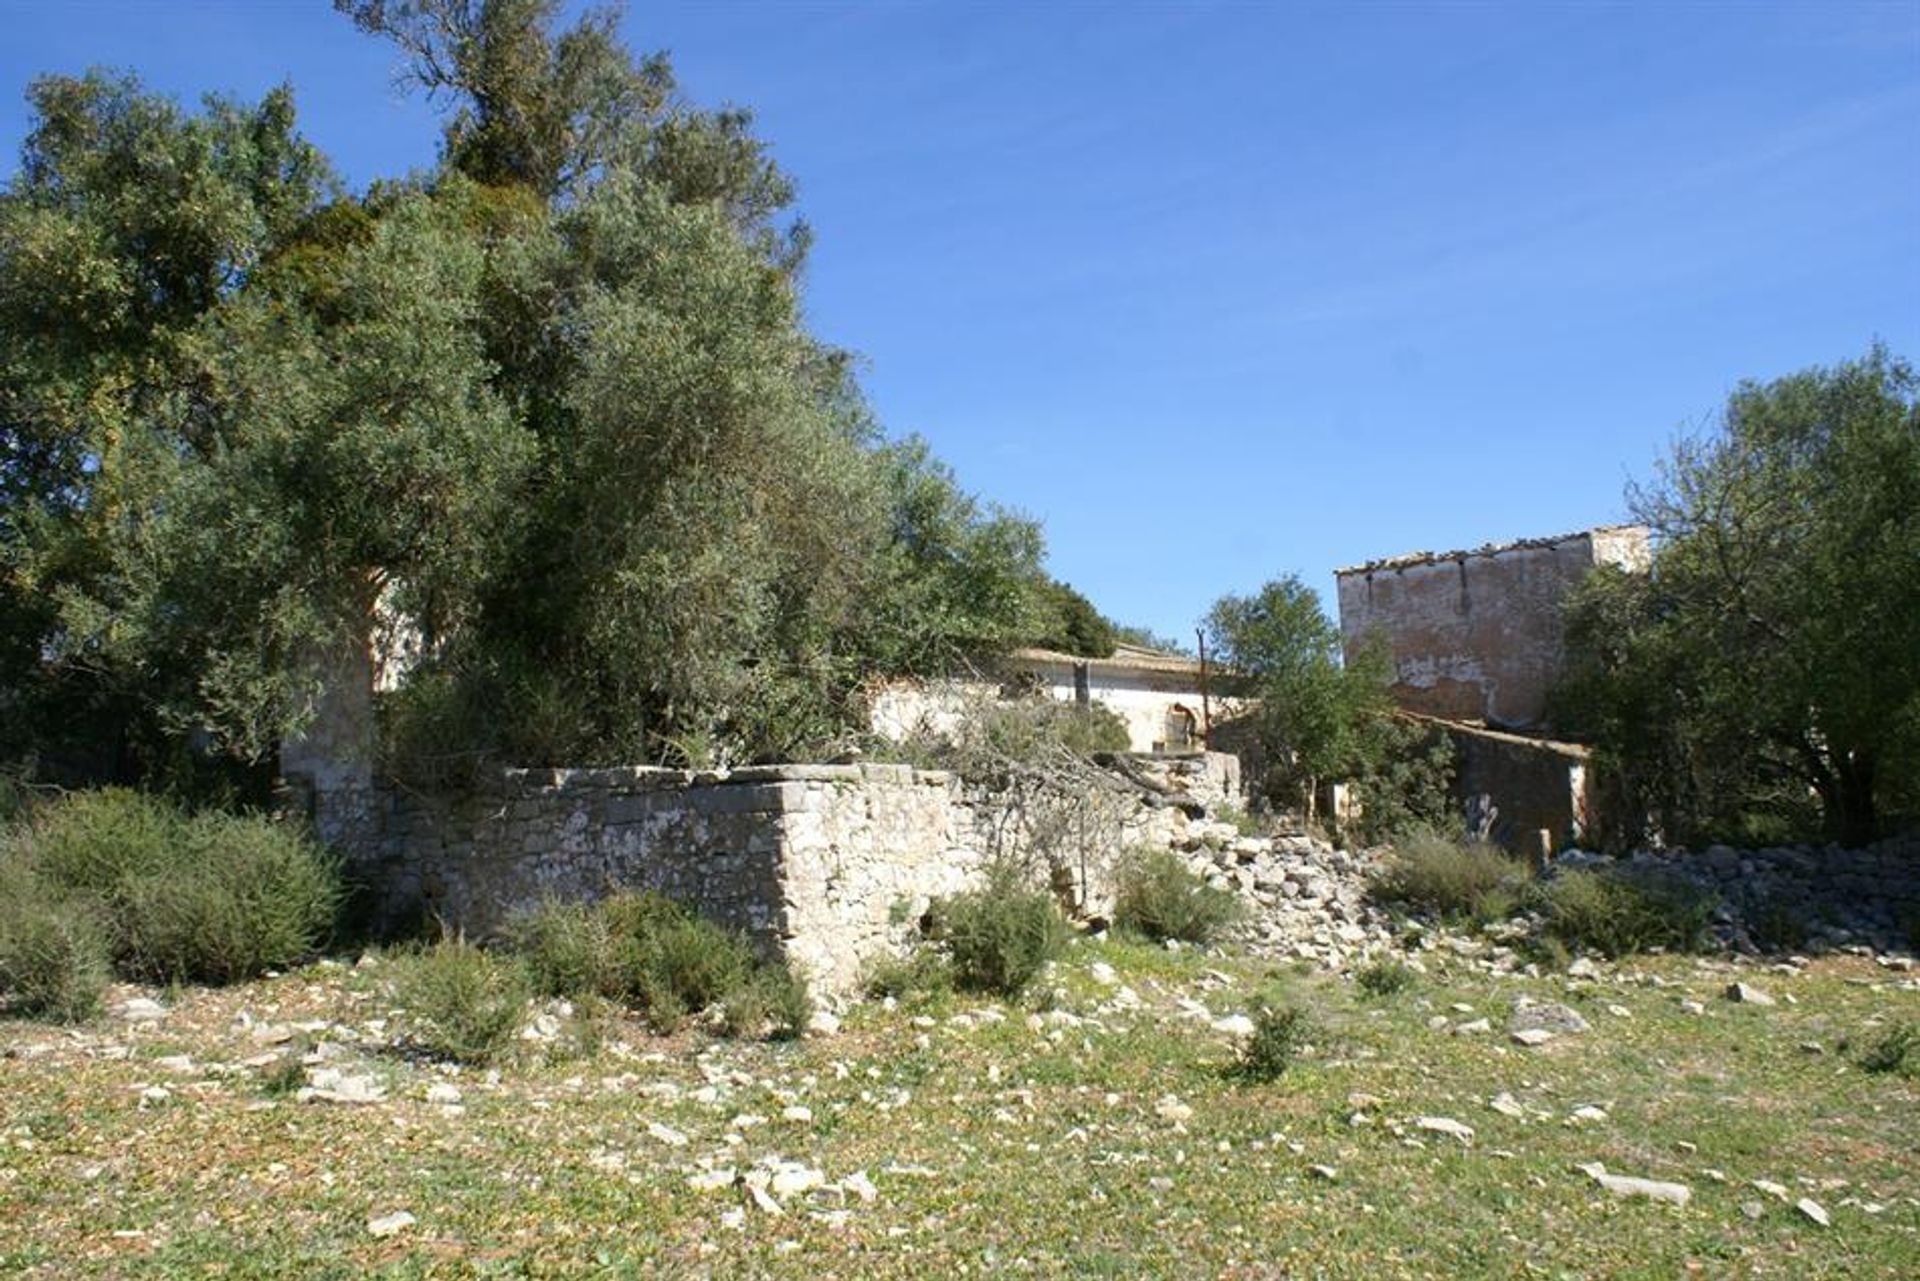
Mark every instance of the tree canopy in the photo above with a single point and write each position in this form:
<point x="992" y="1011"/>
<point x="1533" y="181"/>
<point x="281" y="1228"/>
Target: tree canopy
<point x="545" y="421"/>
<point x="1764" y="677"/>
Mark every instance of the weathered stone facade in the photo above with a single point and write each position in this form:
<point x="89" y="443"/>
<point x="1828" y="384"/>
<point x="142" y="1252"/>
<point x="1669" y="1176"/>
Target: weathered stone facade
<point x="821" y="864"/>
<point x="1477" y="635"/>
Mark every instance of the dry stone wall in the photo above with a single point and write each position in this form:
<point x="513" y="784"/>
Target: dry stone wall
<point x="821" y="864"/>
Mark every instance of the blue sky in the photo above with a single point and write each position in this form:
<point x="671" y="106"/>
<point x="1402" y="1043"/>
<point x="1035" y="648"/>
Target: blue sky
<point x="1220" y="292"/>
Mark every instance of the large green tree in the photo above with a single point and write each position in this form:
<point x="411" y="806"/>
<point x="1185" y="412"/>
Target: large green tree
<point x="1769" y="664"/>
<point x="548" y="414"/>
<point x="1319" y="716"/>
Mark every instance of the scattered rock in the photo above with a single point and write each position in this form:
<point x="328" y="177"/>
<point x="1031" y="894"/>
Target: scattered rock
<point x="443" y="1092"/>
<point x="1813" y="1210"/>
<point x="1234" y="1025"/>
<point x="1532" y="1036"/>
<point x="1323" y="1172"/>
<point x="1589" y="1113"/>
<point x="1747" y="994"/>
<point x="142" y="1009"/>
<point x="1550" y="1016"/>
<point x="1507" y="1105"/>
<point x="798" y="1114"/>
<point x="666" y="1134"/>
<point x="822" y="1023"/>
<point x="1626" y="1185"/>
<point x="1446" y="1125"/>
<point x="1172" y="1110"/>
<point x="389" y="1224"/>
<point x="1478" y="1027"/>
<point x="1103" y="974"/>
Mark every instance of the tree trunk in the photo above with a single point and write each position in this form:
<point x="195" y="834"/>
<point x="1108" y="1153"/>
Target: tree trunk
<point x="1851" y="817"/>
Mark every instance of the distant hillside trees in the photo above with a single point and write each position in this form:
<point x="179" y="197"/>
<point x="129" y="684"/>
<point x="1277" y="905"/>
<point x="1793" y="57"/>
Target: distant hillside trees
<point x="550" y="406"/>
<point x="1763" y="680"/>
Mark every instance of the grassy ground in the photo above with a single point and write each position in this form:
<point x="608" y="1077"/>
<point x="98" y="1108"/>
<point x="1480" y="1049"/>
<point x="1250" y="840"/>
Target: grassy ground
<point x="1100" y="1137"/>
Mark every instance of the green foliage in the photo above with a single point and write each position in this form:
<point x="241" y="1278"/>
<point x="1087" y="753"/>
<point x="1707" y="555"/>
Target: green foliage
<point x="546" y="423"/>
<point x="1436" y="874"/>
<point x="1404" y="779"/>
<point x="1384" y="977"/>
<point x="1894" y="1048"/>
<point x="1768" y="656"/>
<point x="773" y="1000"/>
<point x="646" y="952"/>
<point x="1162" y="898"/>
<point x="1071" y="624"/>
<point x="1279" y="1032"/>
<point x="209" y="898"/>
<point x="54" y="962"/>
<point x="1319" y="719"/>
<point x="999" y="937"/>
<point x="920" y="971"/>
<point x="1614" y="915"/>
<point x="458" y="1001"/>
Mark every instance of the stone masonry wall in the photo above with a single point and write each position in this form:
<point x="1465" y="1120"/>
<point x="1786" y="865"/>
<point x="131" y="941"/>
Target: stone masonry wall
<point x="1478" y="635"/>
<point x="821" y="864"/>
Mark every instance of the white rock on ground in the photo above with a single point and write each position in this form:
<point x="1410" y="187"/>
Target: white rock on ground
<point x="1626" y="1185"/>
<point x="1813" y="1210"/>
<point x="1446" y="1125"/>
<point x="389" y="1224"/>
<point x="1747" y="994"/>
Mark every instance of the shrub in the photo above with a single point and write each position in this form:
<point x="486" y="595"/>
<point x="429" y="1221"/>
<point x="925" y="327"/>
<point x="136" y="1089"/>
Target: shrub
<point x="1895" y="1049"/>
<point x="1278" y="1034"/>
<point x="210" y="897"/>
<point x="458" y="1002"/>
<point x="1384" y="977"/>
<point x="1162" y="898"/>
<point x="773" y="1000"/>
<point x="1613" y="915"/>
<point x="922" y="970"/>
<point x="654" y="955"/>
<point x="999" y="937"/>
<point x="245" y="895"/>
<point x="1432" y="873"/>
<point x="53" y="953"/>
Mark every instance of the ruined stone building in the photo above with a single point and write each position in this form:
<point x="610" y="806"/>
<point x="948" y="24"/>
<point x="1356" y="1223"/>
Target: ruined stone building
<point x="1477" y="640"/>
<point x="1477" y="635"/>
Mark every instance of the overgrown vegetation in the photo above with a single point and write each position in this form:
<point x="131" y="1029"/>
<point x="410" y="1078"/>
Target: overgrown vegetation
<point x="920" y="971"/>
<point x="660" y="958"/>
<point x="115" y="876"/>
<point x="1449" y="879"/>
<point x="998" y="938"/>
<point x="1384" y="977"/>
<point x="459" y="1001"/>
<point x="544" y="420"/>
<point x="1618" y="914"/>
<point x="1279" y="1033"/>
<point x="1894" y="1048"/>
<point x="1161" y="898"/>
<point x="1760" y="682"/>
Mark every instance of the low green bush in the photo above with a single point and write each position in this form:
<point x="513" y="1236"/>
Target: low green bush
<point x="1162" y="898"/>
<point x="772" y="1002"/>
<point x="1384" y="977"/>
<point x="1279" y="1032"/>
<point x="999" y="937"/>
<point x="923" y="971"/>
<point x="205" y="898"/>
<point x="1432" y="873"/>
<point x="1614" y="915"/>
<point x="54" y="962"/>
<point x="458" y="1001"/>
<point x="1893" y="1049"/>
<point x="649" y="953"/>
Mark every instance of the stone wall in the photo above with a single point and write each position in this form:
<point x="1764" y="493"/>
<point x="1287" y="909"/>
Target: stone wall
<point x="821" y="864"/>
<point x="1477" y="635"/>
<point x="1534" y="795"/>
<point x="1801" y="897"/>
